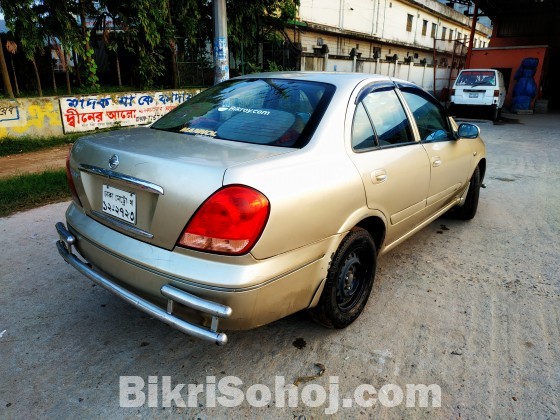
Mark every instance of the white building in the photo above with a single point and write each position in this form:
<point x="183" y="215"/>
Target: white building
<point x="387" y="30"/>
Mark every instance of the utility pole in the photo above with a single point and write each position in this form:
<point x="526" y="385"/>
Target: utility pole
<point x="221" y="51"/>
<point x="435" y="63"/>
<point x="471" y="39"/>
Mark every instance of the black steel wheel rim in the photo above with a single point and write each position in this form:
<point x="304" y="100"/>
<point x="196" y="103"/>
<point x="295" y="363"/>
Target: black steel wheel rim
<point x="352" y="279"/>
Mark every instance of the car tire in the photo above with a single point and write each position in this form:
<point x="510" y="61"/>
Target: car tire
<point x="468" y="210"/>
<point x="495" y="114"/>
<point x="349" y="281"/>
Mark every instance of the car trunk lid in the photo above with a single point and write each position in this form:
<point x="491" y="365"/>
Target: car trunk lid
<point x="148" y="183"/>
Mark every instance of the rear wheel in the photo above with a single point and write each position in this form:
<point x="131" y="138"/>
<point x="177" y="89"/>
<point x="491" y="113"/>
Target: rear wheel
<point x="468" y="210"/>
<point x="349" y="281"/>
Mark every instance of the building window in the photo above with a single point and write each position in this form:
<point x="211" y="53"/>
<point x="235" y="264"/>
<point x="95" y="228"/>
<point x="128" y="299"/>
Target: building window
<point x="409" y="20"/>
<point x="424" y="28"/>
<point x="459" y="36"/>
<point x="434" y="30"/>
<point x="443" y="30"/>
<point x="450" y="35"/>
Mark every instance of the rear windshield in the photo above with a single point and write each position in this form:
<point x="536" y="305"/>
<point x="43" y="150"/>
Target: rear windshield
<point x="275" y="112"/>
<point x="476" y="78"/>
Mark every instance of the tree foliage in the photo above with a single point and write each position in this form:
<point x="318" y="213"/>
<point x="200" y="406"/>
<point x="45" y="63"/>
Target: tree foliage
<point x="252" y="22"/>
<point x="145" y="29"/>
<point x="148" y="36"/>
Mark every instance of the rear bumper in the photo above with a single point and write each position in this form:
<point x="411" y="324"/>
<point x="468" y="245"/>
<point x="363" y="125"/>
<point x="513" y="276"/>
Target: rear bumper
<point x="248" y="292"/>
<point x="215" y="310"/>
<point x="455" y="105"/>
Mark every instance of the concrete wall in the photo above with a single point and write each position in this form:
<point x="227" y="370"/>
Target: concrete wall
<point x="42" y="117"/>
<point x="124" y="109"/>
<point x="422" y="75"/>
<point x="30" y="117"/>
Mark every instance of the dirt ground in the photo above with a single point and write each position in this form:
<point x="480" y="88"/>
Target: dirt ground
<point x="471" y="307"/>
<point x="41" y="160"/>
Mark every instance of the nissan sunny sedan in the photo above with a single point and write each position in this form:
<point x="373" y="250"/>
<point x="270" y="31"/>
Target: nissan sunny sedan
<point x="266" y="195"/>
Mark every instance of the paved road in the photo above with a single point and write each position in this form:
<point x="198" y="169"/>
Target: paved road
<point x="473" y="308"/>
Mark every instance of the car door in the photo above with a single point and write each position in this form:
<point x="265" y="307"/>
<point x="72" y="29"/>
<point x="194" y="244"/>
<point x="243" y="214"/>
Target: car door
<point x="395" y="168"/>
<point x="450" y="158"/>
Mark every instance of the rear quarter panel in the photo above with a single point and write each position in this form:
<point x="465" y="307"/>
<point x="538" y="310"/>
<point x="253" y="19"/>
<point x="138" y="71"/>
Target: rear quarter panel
<point x="313" y="191"/>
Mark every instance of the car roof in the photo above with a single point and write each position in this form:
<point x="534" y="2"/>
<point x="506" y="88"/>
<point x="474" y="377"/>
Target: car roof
<point x="339" y="79"/>
<point x="494" y="70"/>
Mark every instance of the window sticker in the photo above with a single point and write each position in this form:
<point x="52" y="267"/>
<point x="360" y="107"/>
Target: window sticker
<point x="200" y="131"/>
<point x="245" y="110"/>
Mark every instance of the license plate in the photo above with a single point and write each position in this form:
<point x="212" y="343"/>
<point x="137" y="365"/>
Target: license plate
<point x="120" y="204"/>
<point x="473" y="95"/>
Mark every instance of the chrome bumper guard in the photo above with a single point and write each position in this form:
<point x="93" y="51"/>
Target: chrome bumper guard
<point x="216" y="310"/>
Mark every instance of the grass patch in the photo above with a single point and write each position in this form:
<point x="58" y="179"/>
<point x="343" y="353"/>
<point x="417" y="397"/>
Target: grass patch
<point x="16" y="145"/>
<point x="27" y="191"/>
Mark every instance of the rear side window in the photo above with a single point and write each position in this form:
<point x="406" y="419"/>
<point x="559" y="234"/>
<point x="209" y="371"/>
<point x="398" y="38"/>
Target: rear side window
<point x="388" y="117"/>
<point x="363" y="136"/>
<point x="260" y="111"/>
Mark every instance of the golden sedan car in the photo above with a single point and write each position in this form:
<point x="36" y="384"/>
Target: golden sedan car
<point x="266" y="195"/>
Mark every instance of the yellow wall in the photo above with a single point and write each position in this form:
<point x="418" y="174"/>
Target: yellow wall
<point x="30" y="117"/>
<point x="41" y="117"/>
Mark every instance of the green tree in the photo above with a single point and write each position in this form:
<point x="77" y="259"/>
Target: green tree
<point x="58" y="18"/>
<point x="111" y="39"/>
<point x="252" y="22"/>
<point x="146" y="28"/>
<point x="155" y="34"/>
<point x="23" y="20"/>
<point x="191" y="21"/>
<point x="5" y="75"/>
<point x="12" y="47"/>
<point x="85" y="9"/>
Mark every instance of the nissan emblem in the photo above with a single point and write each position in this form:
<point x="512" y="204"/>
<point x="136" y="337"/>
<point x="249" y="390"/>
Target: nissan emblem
<point x="114" y="161"/>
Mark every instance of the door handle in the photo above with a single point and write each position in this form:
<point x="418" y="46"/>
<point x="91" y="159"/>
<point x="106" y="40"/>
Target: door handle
<point x="378" y="176"/>
<point x="436" y="161"/>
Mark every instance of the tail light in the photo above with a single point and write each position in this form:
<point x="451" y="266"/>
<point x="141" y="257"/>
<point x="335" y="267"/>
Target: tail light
<point x="71" y="184"/>
<point x="229" y="222"/>
<point x="496" y="93"/>
<point x="452" y="92"/>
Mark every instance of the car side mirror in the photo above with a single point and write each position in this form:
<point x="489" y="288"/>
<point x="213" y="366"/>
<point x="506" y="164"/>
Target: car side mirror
<point x="468" y="131"/>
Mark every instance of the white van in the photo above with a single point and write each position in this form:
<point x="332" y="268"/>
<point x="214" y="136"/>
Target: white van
<point x="481" y="89"/>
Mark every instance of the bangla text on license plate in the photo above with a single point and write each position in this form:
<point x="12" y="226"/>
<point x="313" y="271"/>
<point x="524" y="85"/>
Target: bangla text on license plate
<point x="473" y="95"/>
<point x="120" y="204"/>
